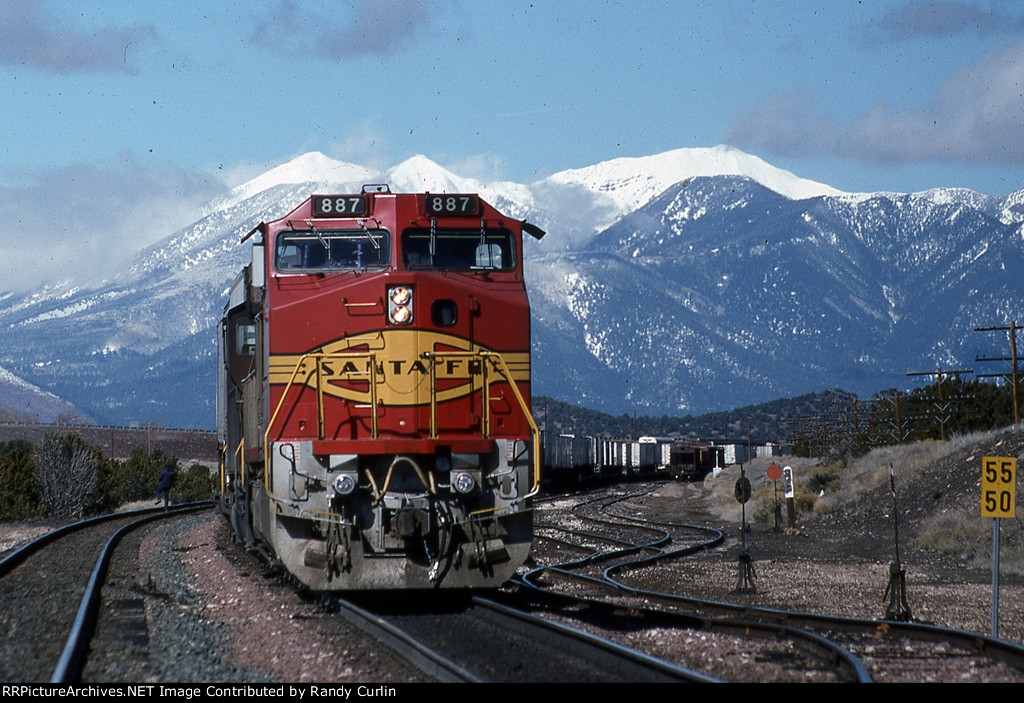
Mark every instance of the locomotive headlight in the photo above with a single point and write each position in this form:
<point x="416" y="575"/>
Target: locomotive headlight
<point x="401" y="295"/>
<point x="401" y="314"/>
<point x="400" y="305"/>
<point x="344" y="484"/>
<point x="463" y="482"/>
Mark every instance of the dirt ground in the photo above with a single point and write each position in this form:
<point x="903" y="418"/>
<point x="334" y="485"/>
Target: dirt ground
<point x="848" y="529"/>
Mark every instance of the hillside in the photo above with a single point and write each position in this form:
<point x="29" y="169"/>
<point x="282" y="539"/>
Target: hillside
<point x="771" y="421"/>
<point x="846" y="509"/>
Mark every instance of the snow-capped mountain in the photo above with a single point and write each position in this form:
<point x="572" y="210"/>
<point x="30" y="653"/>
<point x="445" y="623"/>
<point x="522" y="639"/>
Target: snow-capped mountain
<point x="720" y="293"/>
<point x="684" y="282"/>
<point x="631" y="183"/>
<point x="22" y="401"/>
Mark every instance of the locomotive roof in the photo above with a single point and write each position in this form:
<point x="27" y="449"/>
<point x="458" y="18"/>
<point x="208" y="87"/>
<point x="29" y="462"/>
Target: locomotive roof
<point x="360" y="207"/>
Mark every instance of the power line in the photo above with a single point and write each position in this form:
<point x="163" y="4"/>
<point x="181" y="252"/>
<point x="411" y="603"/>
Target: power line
<point x="1012" y="329"/>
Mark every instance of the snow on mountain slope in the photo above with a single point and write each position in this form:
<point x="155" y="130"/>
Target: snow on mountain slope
<point x="630" y="183"/>
<point x="29" y="402"/>
<point x="693" y="280"/>
<point x="313" y="167"/>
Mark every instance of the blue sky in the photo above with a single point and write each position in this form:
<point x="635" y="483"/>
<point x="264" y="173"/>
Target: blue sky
<point x="120" y="119"/>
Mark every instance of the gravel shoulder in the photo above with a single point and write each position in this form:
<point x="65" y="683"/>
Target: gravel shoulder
<point x="213" y="613"/>
<point x="218" y="606"/>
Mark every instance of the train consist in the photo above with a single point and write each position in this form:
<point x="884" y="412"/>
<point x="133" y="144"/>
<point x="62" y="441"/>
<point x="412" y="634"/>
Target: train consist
<point x="373" y="393"/>
<point x="570" y="459"/>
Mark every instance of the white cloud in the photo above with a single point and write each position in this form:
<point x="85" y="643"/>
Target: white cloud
<point x="941" y="19"/>
<point x="84" y="222"/>
<point x="31" y="35"/>
<point x="365" y="144"/>
<point x="976" y="117"/>
<point x="347" y="30"/>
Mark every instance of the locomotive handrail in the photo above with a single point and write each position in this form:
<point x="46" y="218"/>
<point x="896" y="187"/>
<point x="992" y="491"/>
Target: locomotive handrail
<point x="496" y="358"/>
<point x="320" y="357"/>
<point x="239" y="458"/>
<point x="485" y="390"/>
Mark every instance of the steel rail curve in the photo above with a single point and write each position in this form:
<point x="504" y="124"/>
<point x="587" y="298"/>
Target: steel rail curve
<point x="429" y="661"/>
<point x="1009" y="653"/>
<point x="820" y="647"/>
<point x="73" y="657"/>
<point x="660" y="670"/>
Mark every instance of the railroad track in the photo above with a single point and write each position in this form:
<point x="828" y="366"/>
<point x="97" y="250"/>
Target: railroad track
<point x="51" y="590"/>
<point x="485" y="641"/>
<point x="859" y="649"/>
<point x="43" y="585"/>
<point x="596" y="540"/>
<point x="672" y="637"/>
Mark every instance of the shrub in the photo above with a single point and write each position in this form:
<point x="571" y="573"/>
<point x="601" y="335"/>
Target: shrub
<point x="67" y="475"/>
<point x="957" y="533"/>
<point x="136" y="478"/>
<point x="764" y="506"/>
<point x="823" y="481"/>
<point x="17" y="482"/>
<point x="196" y="483"/>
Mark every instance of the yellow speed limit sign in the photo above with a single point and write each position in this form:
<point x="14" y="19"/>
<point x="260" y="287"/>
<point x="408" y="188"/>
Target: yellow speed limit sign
<point x="998" y="486"/>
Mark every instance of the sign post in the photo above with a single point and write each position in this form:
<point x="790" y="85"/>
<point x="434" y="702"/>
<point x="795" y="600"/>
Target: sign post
<point x="745" y="582"/>
<point x="774" y="472"/>
<point x="998" y="500"/>
<point x="787" y="483"/>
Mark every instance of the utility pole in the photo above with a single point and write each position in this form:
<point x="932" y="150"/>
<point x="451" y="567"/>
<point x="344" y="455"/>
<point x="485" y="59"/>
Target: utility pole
<point x="940" y="404"/>
<point x="1012" y="329"/>
<point x="898" y="433"/>
<point x="886" y="419"/>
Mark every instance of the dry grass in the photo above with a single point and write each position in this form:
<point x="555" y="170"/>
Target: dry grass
<point x="938" y="482"/>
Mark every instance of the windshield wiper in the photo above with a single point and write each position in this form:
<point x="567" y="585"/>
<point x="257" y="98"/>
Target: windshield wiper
<point x="320" y="237"/>
<point x="362" y="226"/>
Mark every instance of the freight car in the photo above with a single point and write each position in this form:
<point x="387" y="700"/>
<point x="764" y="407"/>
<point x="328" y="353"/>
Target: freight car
<point x="694" y="461"/>
<point x="373" y="395"/>
<point x="570" y="459"/>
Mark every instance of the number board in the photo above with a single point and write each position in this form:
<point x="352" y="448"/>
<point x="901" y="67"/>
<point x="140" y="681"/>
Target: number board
<point x="339" y="205"/>
<point x="452" y="205"/>
<point x="998" y="486"/>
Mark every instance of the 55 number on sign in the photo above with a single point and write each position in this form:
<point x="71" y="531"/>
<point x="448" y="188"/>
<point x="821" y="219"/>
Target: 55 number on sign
<point x="998" y="486"/>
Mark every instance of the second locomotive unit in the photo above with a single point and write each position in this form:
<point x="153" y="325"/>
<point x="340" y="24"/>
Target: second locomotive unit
<point x="374" y="393"/>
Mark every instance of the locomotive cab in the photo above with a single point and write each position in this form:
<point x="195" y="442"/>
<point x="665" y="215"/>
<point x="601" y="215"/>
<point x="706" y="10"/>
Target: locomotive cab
<point x="374" y="393"/>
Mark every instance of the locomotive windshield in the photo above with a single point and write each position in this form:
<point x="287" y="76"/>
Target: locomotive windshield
<point x="459" y="249"/>
<point x="334" y="250"/>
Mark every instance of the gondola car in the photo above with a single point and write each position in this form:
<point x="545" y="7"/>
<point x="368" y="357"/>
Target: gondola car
<point x="374" y="386"/>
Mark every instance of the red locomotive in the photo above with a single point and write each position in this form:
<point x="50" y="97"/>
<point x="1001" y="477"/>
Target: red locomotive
<point x="374" y="392"/>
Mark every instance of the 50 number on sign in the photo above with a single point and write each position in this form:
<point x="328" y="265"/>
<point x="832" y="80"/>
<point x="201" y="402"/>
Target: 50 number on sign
<point x="998" y="486"/>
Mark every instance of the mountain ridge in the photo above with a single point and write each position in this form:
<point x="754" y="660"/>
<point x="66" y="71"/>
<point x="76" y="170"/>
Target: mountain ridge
<point x="716" y="292"/>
